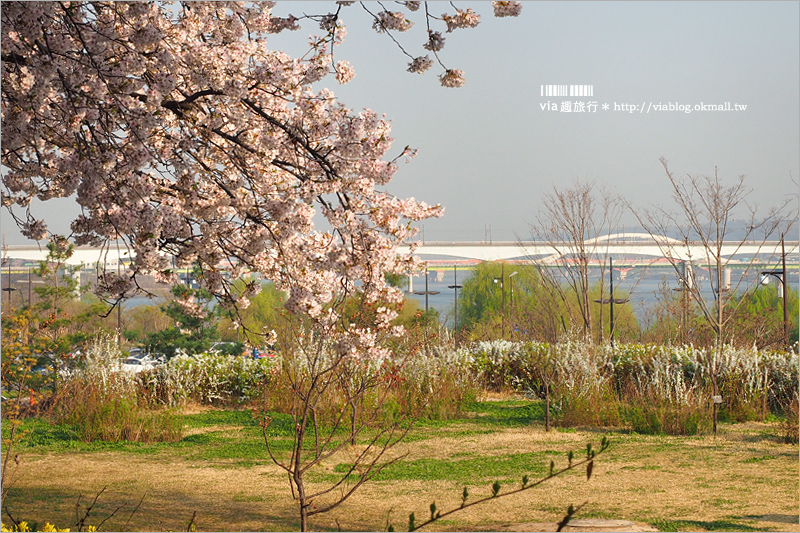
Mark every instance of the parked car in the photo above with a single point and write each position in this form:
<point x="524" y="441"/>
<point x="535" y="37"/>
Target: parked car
<point x="136" y="365"/>
<point x="146" y="357"/>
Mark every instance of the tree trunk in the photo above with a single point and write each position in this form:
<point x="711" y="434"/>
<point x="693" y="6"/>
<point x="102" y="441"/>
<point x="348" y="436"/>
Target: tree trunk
<point x="297" y="472"/>
<point x="303" y="515"/>
<point x="297" y="477"/>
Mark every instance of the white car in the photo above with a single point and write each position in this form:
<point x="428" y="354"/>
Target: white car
<point x="136" y="365"/>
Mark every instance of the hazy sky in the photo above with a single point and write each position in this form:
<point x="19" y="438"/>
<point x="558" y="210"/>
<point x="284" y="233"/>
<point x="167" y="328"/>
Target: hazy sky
<point x="487" y="151"/>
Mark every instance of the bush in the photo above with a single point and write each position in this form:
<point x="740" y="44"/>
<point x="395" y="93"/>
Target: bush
<point x="790" y="424"/>
<point x="653" y="388"/>
<point x="442" y="380"/>
<point x="208" y="378"/>
<point x="100" y="411"/>
<point x="436" y="385"/>
<point x="596" y="407"/>
<point x="650" y="388"/>
<point x="102" y="403"/>
<point x="493" y="363"/>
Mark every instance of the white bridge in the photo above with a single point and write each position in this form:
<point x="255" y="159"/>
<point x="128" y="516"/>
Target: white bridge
<point x="627" y="249"/>
<point x="82" y="255"/>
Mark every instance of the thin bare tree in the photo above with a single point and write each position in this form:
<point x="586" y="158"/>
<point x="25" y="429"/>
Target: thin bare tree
<point x="337" y="406"/>
<point x="706" y="210"/>
<point x="570" y="223"/>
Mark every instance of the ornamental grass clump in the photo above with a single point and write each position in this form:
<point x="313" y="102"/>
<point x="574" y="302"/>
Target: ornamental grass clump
<point x="108" y="410"/>
<point x="443" y="378"/>
<point x="492" y="362"/>
<point x="659" y="390"/>
<point x="104" y="402"/>
<point x="789" y="426"/>
<point x="208" y="378"/>
<point x="99" y="413"/>
<point x="584" y="390"/>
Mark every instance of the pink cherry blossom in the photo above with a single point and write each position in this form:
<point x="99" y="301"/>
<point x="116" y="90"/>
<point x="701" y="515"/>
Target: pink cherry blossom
<point x="391" y="21"/>
<point x="435" y="41"/>
<point x="452" y="78"/>
<point x="420" y="64"/>
<point x="344" y="72"/>
<point x="507" y="9"/>
<point x="462" y="19"/>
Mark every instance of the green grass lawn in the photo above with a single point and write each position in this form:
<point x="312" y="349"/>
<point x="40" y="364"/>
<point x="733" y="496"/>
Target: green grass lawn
<point x="744" y="479"/>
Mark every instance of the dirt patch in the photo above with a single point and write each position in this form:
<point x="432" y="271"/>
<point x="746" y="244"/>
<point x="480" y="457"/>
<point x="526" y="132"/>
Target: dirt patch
<point x="520" y="440"/>
<point x="196" y="409"/>
<point x="172" y="490"/>
<point x="212" y="429"/>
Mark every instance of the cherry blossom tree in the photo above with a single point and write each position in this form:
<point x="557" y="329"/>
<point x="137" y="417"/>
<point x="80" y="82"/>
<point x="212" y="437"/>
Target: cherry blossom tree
<point x="184" y="136"/>
<point x="183" y="133"/>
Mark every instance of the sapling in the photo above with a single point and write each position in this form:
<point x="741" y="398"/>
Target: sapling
<point x="588" y="462"/>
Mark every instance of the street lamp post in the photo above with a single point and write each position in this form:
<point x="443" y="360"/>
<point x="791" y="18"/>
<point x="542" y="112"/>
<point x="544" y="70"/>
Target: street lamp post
<point x="426" y="292"/>
<point x="511" y="282"/>
<point x="611" y="301"/>
<point x="503" y="294"/>
<point x="455" y="286"/>
<point x="780" y="275"/>
<point x="9" y="289"/>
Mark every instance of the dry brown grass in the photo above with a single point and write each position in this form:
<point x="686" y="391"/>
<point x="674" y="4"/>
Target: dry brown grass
<point x="745" y="476"/>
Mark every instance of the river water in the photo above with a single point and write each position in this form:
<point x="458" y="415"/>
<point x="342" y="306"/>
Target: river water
<point x="640" y="285"/>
